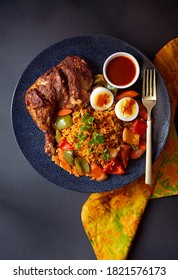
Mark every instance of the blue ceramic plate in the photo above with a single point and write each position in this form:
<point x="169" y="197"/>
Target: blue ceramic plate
<point x="95" y="49"/>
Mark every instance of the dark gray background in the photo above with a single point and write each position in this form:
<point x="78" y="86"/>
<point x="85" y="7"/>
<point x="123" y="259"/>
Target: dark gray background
<point x="39" y="220"/>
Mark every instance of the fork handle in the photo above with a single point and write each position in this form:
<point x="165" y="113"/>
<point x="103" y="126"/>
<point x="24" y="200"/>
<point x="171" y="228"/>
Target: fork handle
<point x="148" y="168"/>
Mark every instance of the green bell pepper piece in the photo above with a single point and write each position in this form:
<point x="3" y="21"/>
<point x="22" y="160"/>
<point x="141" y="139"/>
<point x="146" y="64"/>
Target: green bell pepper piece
<point x="82" y="165"/>
<point x="63" y="122"/>
<point x="58" y="136"/>
<point x="69" y="156"/>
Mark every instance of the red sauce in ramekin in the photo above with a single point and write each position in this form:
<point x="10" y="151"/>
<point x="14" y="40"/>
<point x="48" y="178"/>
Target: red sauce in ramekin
<point x="121" y="70"/>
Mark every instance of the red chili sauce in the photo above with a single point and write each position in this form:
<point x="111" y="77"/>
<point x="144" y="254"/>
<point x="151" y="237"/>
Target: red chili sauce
<point x="121" y="70"/>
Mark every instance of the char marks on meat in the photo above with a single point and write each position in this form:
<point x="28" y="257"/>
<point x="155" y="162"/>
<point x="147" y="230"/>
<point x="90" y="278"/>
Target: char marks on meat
<point x="66" y="85"/>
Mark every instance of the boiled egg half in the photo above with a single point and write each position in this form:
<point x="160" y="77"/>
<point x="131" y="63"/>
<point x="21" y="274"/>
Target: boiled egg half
<point x="101" y="98"/>
<point x="127" y="109"/>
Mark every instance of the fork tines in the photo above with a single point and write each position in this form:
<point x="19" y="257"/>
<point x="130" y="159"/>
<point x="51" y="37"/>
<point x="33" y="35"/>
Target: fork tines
<point x="149" y="84"/>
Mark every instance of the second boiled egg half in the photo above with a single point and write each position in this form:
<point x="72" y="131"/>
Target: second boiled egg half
<point x="127" y="109"/>
<point x="101" y="98"/>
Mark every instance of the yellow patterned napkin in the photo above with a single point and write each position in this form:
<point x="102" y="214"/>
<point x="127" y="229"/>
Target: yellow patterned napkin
<point x="110" y="219"/>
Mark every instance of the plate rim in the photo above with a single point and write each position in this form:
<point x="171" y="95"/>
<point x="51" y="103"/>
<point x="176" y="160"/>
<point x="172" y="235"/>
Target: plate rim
<point x="35" y="58"/>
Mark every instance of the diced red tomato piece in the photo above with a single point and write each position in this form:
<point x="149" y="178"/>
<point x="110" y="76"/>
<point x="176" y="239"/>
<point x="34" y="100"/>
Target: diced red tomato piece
<point x="114" y="167"/>
<point x="64" y="145"/>
<point x="139" y="127"/>
<point x="142" y="144"/>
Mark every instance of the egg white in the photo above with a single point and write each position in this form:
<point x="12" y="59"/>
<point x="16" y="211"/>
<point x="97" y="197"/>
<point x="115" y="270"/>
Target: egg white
<point x="95" y="93"/>
<point x="122" y="116"/>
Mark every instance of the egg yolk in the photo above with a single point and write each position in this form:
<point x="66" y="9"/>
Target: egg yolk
<point x="102" y="99"/>
<point x="128" y="107"/>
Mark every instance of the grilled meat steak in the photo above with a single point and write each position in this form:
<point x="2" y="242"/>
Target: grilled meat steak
<point x="79" y="79"/>
<point x="66" y="85"/>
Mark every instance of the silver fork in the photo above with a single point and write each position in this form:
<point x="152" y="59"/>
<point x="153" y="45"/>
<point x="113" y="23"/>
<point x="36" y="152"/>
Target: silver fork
<point x="149" y="101"/>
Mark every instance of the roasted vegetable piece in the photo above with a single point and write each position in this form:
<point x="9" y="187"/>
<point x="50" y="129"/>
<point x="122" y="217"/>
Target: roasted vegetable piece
<point x="63" y="122"/>
<point x="69" y="156"/>
<point x="63" y="163"/>
<point x="114" y="167"/>
<point x="140" y="151"/>
<point x="113" y="152"/>
<point x="125" y="151"/>
<point x="97" y="173"/>
<point x="78" y="167"/>
<point x="139" y="127"/>
<point x="99" y="80"/>
<point x="58" y="136"/>
<point x="64" y="112"/>
<point x="127" y="93"/>
<point x="112" y="89"/>
<point x="129" y="137"/>
<point x="64" y="145"/>
<point x="82" y="165"/>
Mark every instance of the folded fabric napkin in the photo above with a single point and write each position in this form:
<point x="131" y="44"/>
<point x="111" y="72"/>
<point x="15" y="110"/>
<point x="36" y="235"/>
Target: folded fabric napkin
<point x="110" y="219"/>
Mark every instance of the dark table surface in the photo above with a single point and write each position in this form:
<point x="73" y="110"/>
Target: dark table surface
<point x="39" y="220"/>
